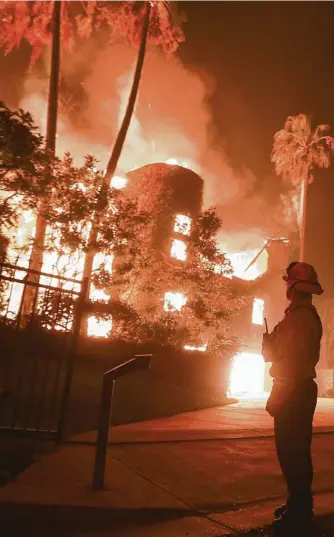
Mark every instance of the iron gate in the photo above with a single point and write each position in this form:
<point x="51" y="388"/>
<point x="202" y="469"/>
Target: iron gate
<point x="37" y="348"/>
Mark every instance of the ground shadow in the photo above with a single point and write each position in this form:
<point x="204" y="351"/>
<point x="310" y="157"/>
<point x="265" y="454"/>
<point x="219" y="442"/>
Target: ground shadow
<point x="53" y="521"/>
<point x="323" y="527"/>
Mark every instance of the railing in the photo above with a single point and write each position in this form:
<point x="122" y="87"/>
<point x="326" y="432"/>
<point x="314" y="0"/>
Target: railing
<point x="139" y="362"/>
<point x="40" y="306"/>
<point x="38" y="348"/>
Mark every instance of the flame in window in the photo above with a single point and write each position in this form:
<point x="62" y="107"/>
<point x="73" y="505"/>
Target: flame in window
<point x="179" y="250"/>
<point x="174" y="301"/>
<point x="258" y="311"/>
<point x="182" y="224"/>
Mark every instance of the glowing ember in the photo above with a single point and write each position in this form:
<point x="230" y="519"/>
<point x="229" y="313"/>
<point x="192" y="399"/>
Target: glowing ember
<point x="179" y="250"/>
<point x="99" y="328"/>
<point x="258" y="311"/>
<point x="247" y="376"/>
<point x="174" y="301"/>
<point x="118" y="182"/>
<point x="202" y="348"/>
<point x="182" y="224"/>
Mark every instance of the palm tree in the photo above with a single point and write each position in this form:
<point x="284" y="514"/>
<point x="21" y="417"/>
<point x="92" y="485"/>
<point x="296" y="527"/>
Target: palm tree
<point x="36" y="259"/>
<point x="119" y="142"/>
<point x="297" y="151"/>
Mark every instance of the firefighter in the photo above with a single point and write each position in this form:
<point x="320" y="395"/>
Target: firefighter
<point x="294" y="348"/>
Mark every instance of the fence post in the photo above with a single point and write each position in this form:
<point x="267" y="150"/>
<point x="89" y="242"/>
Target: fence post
<point x="80" y="307"/>
<point x="103" y="432"/>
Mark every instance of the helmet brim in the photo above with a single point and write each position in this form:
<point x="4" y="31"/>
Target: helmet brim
<point x="312" y="288"/>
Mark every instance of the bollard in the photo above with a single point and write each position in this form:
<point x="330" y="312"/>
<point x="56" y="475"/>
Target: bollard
<point x="141" y="362"/>
<point x="103" y="432"/>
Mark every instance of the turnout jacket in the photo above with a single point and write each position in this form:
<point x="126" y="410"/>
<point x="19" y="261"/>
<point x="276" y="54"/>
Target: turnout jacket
<point x="294" y="345"/>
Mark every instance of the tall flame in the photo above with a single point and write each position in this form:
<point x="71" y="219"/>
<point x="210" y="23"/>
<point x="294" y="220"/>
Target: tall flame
<point x="247" y="376"/>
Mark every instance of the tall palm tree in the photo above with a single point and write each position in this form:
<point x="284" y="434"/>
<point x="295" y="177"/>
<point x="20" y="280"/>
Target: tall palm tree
<point x="36" y="259"/>
<point x="297" y="151"/>
<point x="119" y="142"/>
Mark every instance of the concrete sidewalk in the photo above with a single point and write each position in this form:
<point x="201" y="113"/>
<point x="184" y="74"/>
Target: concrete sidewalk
<point x="245" y="419"/>
<point x="163" y="485"/>
<point x="149" y="493"/>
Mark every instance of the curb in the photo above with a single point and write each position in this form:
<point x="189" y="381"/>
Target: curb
<point x="215" y="436"/>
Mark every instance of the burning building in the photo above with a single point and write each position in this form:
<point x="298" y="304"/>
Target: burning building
<point x="179" y="191"/>
<point x="176" y="194"/>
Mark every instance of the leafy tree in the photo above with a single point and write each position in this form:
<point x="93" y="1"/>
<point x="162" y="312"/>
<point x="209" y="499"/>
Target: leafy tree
<point x="139" y="282"/>
<point x="142" y="272"/>
<point x="22" y="165"/>
<point x="298" y="150"/>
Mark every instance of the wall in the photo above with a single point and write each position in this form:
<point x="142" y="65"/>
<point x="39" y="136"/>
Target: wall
<point x="178" y="381"/>
<point x="166" y="190"/>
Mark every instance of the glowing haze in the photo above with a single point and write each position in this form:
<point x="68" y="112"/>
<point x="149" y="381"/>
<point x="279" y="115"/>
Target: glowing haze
<point x="172" y="120"/>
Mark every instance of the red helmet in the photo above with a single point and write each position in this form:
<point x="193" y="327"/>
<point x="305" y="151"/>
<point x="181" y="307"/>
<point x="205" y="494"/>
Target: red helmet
<point x="303" y="277"/>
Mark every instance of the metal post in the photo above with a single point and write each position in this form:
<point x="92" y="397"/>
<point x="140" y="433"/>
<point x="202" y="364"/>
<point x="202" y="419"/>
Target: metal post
<point x="139" y="362"/>
<point x="73" y="352"/>
<point x="103" y="432"/>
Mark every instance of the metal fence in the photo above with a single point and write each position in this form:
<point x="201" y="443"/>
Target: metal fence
<point x="40" y="317"/>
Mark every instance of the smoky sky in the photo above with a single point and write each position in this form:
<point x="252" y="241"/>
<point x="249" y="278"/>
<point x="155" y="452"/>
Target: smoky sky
<point x="270" y="60"/>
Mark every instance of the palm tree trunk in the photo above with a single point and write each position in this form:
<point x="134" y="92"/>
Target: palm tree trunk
<point x="113" y="161"/>
<point x="119" y="143"/>
<point x="36" y="258"/>
<point x="303" y="213"/>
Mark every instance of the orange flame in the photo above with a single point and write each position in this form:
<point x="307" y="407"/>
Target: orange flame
<point x="241" y="260"/>
<point x="174" y="301"/>
<point x="179" y="250"/>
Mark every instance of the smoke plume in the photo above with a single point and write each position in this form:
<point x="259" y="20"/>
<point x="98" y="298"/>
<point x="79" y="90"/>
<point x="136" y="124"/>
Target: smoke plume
<point x="172" y="120"/>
